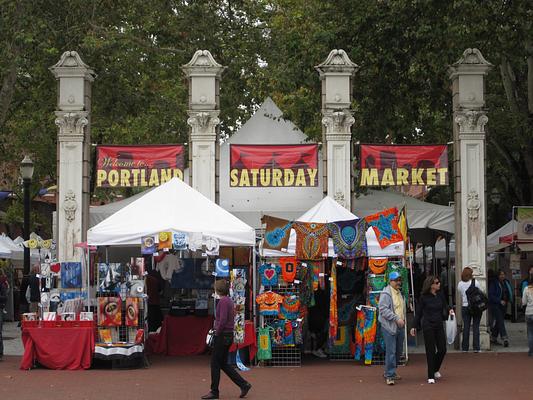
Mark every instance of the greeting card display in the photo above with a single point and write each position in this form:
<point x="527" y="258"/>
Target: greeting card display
<point x="148" y="245"/>
<point x="71" y="275"/>
<point x="165" y="240"/>
<point x="109" y="311"/>
<point x="137" y="266"/>
<point x="86" y="316"/>
<point x="68" y="316"/>
<point x="132" y="311"/>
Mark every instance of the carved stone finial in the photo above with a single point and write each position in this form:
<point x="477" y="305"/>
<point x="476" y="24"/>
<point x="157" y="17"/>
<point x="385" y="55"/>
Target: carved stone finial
<point x="70" y="205"/>
<point x="337" y="61"/>
<point x="69" y="63"/>
<point x="472" y="56"/>
<point x="472" y="61"/>
<point x="471" y="121"/>
<point x="203" y="61"/>
<point x="473" y="205"/>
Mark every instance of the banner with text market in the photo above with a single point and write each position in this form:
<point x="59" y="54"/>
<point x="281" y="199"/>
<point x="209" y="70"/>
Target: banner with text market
<point x="138" y="166"/>
<point x="399" y="165"/>
<point x="274" y="165"/>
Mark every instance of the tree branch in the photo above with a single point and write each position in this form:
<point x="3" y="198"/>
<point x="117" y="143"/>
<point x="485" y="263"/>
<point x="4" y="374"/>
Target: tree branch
<point x="509" y="84"/>
<point x="529" y="52"/>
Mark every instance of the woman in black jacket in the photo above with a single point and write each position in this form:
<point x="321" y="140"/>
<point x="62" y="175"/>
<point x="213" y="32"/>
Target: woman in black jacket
<point x="431" y="311"/>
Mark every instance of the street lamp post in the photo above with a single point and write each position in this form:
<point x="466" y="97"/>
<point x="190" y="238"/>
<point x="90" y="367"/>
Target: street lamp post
<point x="26" y="172"/>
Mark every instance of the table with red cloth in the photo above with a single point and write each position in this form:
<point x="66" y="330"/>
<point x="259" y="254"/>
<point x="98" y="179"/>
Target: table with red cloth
<point x="249" y="340"/>
<point x="181" y="336"/>
<point x="58" y="347"/>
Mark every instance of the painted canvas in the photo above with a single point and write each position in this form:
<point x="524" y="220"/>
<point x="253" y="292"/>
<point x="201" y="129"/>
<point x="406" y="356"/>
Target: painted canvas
<point x="109" y="311"/>
<point x="71" y="275"/>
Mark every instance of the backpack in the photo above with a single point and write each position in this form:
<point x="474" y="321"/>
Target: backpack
<point x="477" y="300"/>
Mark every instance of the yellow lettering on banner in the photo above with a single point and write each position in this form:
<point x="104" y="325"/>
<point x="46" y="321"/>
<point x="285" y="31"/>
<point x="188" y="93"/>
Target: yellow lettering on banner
<point x="387" y="179"/>
<point x="402" y="176"/>
<point x="430" y="176"/>
<point x="416" y="176"/>
<point x="234" y="177"/>
<point x="100" y="177"/>
<point x="143" y="178"/>
<point x="300" y="178"/>
<point x="264" y="177"/>
<point x="135" y="173"/>
<point x="276" y="177"/>
<point x="154" y="178"/>
<point x="112" y="177"/>
<point x="289" y="177"/>
<point x="124" y="178"/>
<point x="254" y="173"/>
<point x="178" y="173"/>
<point x="166" y="175"/>
<point x="245" y="179"/>
<point x="312" y="175"/>
<point x="369" y="177"/>
<point x="442" y="175"/>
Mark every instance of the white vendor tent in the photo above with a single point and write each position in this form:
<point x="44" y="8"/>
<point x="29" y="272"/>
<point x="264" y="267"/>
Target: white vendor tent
<point x="328" y="210"/>
<point x="173" y="206"/>
<point x="440" y="251"/>
<point x="507" y="231"/>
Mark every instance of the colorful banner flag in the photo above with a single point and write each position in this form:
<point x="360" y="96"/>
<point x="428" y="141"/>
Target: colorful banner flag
<point x="138" y="166"/>
<point x="274" y="165"/>
<point x="524" y="217"/>
<point x="402" y="165"/>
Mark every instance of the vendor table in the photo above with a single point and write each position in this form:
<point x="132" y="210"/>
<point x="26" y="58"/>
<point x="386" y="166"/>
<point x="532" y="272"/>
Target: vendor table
<point x="181" y="336"/>
<point x="58" y="347"/>
<point x="249" y="340"/>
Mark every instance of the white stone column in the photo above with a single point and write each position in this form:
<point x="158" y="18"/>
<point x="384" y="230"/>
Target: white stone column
<point x="468" y="87"/>
<point x="73" y="152"/>
<point x="203" y="73"/>
<point x="336" y="74"/>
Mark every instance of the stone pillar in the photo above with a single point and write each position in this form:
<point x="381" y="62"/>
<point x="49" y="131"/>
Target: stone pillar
<point x="336" y="74"/>
<point x="469" y="115"/>
<point x="203" y="73"/>
<point x="73" y="118"/>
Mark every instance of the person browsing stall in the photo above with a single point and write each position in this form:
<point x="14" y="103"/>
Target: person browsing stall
<point x="224" y="322"/>
<point x="431" y="311"/>
<point x="392" y="321"/>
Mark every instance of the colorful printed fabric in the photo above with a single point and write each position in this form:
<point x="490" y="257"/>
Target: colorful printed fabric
<point x="290" y="307"/>
<point x="288" y="333"/>
<point x="297" y="331"/>
<point x="315" y="274"/>
<point x="341" y="343"/>
<point x="373" y="299"/>
<point x="376" y="283"/>
<point x="288" y="268"/>
<point x="264" y="351"/>
<point x="311" y="240"/>
<point x="333" y="317"/>
<point x="377" y="265"/>
<point x="276" y="232"/>
<point x="385" y="225"/>
<point x="402" y="223"/>
<point x="238" y="295"/>
<point x="306" y="285"/>
<point x="349" y="238"/>
<point x="269" y="274"/>
<point x="365" y="333"/>
<point x="277" y="330"/>
<point x="404" y="273"/>
<point x="269" y="303"/>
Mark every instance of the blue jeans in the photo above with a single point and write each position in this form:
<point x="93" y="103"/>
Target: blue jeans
<point x="393" y="350"/>
<point x="498" y="314"/>
<point x="529" y="321"/>
<point x="467" y="319"/>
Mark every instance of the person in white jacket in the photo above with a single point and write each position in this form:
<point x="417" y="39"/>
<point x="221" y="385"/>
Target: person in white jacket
<point x="527" y="301"/>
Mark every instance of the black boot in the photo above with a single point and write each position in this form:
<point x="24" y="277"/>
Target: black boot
<point x="244" y="390"/>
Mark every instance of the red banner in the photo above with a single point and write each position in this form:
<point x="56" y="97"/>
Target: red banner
<point x="127" y="166"/>
<point x="274" y="165"/>
<point x="402" y="165"/>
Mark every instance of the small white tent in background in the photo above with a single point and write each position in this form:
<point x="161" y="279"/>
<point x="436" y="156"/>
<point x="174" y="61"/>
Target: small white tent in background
<point x="506" y="232"/>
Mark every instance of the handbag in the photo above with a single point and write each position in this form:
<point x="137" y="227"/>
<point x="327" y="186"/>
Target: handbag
<point x="210" y="338"/>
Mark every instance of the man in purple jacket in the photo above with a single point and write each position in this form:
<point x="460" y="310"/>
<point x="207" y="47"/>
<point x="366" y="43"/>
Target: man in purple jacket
<point x="225" y="315"/>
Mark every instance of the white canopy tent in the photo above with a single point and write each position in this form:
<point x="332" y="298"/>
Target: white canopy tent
<point x="440" y="251"/>
<point x="173" y="206"/>
<point x="493" y="240"/>
<point x="328" y="210"/>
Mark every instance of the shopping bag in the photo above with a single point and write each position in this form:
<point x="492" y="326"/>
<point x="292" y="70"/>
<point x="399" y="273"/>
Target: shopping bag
<point x="210" y="338"/>
<point x="451" y="329"/>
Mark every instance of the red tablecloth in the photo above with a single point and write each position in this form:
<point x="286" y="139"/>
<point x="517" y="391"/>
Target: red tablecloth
<point x="181" y="336"/>
<point x="249" y="340"/>
<point x="58" y="348"/>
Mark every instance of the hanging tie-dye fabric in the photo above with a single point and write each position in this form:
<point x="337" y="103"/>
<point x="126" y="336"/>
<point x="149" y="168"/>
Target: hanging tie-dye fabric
<point x="385" y="225"/>
<point x="333" y="317"/>
<point x="311" y="240"/>
<point x="349" y="238"/>
<point x="238" y="295"/>
<point x="365" y="334"/>
<point x="377" y="265"/>
<point x="264" y="351"/>
<point x="276" y="233"/>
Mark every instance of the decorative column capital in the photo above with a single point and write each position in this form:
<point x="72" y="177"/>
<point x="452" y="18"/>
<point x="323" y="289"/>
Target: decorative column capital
<point x="471" y="121"/>
<point x="203" y="123"/>
<point x="338" y="124"/>
<point x="71" y="125"/>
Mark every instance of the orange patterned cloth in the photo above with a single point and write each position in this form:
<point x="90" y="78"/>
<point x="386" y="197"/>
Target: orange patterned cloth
<point x="333" y="315"/>
<point x="377" y="265"/>
<point x="311" y="240"/>
<point x="288" y="268"/>
<point x="385" y="225"/>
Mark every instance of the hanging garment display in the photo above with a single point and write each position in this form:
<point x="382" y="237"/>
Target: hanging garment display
<point x="311" y="240"/>
<point x="109" y="311"/>
<point x="276" y="232"/>
<point x="376" y="283"/>
<point x="377" y="265"/>
<point x="349" y="238"/>
<point x="373" y="299"/>
<point x="315" y="274"/>
<point x="385" y="225"/>
<point x="288" y="268"/>
<point x="365" y="333"/>
<point x="277" y="331"/>
<point x="264" y="351"/>
<point x="341" y="342"/>
<point x="132" y="311"/>
<point x="290" y="307"/>
<point x="404" y="274"/>
<point x="306" y="284"/>
<point x="297" y="332"/>
<point x="288" y="334"/>
<point x="269" y="303"/>
<point x="238" y="295"/>
<point x="269" y="274"/>
<point x="333" y="317"/>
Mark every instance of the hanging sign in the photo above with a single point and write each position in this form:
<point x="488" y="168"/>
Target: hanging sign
<point x="274" y="165"/>
<point x="524" y="217"/>
<point x="402" y="165"/>
<point x="138" y="166"/>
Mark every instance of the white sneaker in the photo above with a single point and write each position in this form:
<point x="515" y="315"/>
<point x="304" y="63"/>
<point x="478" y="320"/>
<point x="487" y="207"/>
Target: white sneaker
<point x="319" y="353"/>
<point x="438" y="375"/>
<point x="431" y="381"/>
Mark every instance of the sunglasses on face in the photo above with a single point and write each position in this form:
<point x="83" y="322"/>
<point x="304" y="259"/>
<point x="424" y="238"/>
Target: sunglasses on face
<point x="437" y="283"/>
